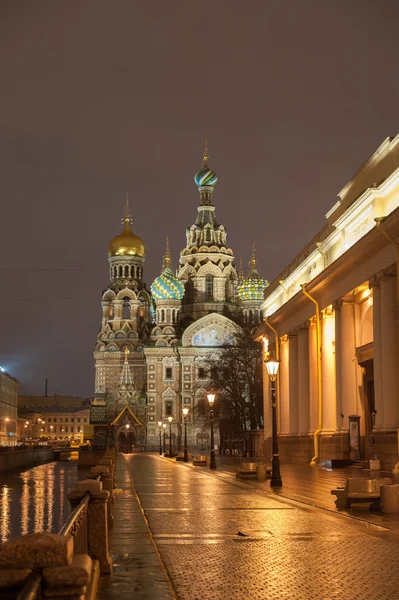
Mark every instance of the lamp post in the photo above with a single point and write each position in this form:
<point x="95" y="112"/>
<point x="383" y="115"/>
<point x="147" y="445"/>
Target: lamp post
<point x="164" y="437"/>
<point x="160" y="437"/>
<point x="170" y="419"/>
<point x="211" y="400"/>
<point x="272" y="370"/>
<point x="185" y="413"/>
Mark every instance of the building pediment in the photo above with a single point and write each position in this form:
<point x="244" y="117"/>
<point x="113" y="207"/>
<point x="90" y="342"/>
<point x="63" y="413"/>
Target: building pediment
<point x="210" y="331"/>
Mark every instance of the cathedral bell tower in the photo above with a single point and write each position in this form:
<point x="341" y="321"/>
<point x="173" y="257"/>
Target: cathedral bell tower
<point x="125" y="309"/>
<point x="206" y="263"/>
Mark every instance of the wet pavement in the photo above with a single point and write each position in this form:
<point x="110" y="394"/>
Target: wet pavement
<point x="190" y="533"/>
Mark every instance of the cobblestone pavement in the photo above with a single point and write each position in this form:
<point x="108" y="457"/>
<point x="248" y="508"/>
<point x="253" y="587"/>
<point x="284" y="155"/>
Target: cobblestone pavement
<point x="222" y="539"/>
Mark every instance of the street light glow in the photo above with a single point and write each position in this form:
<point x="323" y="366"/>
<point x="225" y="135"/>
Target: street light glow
<point x="211" y="399"/>
<point x="272" y="369"/>
<point x="185" y="411"/>
<point x="170" y="419"/>
<point x="159" y="424"/>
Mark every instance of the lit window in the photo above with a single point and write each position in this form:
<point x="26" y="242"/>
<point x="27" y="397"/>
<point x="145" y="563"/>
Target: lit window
<point x="209" y="287"/>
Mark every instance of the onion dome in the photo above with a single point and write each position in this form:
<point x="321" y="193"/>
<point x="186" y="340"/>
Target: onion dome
<point x="253" y="286"/>
<point x="205" y="177"/>
<point x="167" y="286"/>
<point x="127" y="243"/>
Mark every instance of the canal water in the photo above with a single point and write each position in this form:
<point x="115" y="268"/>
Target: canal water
<point x="35" y="499"/>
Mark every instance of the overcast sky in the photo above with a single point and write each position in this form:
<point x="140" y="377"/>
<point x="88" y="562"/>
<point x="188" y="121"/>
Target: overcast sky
<point x="101" y="97"/>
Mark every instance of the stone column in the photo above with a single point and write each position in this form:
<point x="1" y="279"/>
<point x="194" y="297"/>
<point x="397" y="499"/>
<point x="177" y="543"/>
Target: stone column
<point x="313" y="389"/>
<point x="98" y="530"/>
<point x="348" y="365"/>
<point x="219" y="289"/>
<point x="303" y="380"/>
<point x="267" y="406"/>
<point x="293" y="384"/>
<point x="105" y="309"/>
<point x="389" y="354"/>
<point x="338" y="360"/>
<point x="378" y="396"/>
<point x="284" y="387"/>
<point x="134" y="307"/>
<point x="118" y="305"/>
<point x="328" y="372"/>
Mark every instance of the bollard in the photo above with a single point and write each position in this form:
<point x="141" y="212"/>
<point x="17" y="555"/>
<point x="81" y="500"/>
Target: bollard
<point x="98" y="530"/>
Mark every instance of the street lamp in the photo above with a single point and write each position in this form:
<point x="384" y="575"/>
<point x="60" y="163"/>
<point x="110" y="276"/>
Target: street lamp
<point x="211" y="400"/>
<point x="272" y="370"/>
<point x="185" y="413"/>
<point x="170" y="419"/>
<point x="160" y="438"/>
<point x="164" y="437"/>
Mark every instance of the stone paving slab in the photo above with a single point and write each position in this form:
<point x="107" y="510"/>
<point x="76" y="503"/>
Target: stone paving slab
<point x="218" y="545"/>
<point x="138" y="571"/>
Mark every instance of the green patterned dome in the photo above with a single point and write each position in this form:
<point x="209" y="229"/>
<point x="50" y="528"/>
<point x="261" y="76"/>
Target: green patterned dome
<point x="252" y="287"/>
<point x="205" y="177"/>
<point x="167" y="286"/>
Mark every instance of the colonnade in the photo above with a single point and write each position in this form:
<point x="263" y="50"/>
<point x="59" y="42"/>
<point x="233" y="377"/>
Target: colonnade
<point x="344" y="331"/>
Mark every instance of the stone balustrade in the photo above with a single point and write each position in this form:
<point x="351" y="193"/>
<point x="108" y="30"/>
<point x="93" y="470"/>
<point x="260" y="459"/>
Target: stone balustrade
<point x="51" y="562"/>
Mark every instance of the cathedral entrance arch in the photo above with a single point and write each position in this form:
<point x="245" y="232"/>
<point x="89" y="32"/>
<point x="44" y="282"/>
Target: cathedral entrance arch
<point x="125" y="439"/>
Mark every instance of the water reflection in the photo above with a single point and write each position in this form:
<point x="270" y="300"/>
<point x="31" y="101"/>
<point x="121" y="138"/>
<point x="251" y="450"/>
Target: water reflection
<point x="5" y="501"/>
<point x="35" y="500"/>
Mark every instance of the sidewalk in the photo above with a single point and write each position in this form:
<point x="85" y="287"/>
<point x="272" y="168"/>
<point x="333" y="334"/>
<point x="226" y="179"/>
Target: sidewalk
<point x="138" y="571"/>
<point x="313" y="485"/>
<point x="219" y="538"/>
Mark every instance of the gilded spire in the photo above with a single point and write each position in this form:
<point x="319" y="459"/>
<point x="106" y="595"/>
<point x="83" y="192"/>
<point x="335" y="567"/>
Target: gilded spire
<point x="253" y="258"/>
<point x="241" y="272"/>
<point x="206" y="154"/>
<point x="167" y="257"/>
<point x="127" y="216"/>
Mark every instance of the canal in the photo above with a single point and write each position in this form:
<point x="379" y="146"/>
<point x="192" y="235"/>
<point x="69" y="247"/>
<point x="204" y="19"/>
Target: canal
<point x="35" y="499"/>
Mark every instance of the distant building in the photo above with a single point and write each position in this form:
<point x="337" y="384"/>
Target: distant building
<point x="55" y="424"/>
<point x="54" y="417"/>
<point x="151" y="350"/>
<point x="339" y="376"/>
<point x="8" y="409"/>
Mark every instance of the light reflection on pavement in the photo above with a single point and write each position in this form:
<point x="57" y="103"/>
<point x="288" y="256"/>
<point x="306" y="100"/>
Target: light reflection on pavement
<point x="221" y="539"/>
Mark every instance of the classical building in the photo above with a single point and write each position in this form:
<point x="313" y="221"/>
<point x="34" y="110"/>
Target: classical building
<point x="152" y="345"/>
<point x="334" y="314"/>
<point x="8" y="409"/>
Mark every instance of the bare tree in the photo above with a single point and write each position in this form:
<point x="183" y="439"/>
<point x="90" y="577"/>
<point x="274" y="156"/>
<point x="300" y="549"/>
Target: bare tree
<point x="235" y="376"/>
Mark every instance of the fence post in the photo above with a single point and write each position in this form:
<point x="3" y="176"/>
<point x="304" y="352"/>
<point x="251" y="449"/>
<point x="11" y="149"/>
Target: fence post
<point x="98" y="530"/>
<point x="106" y="479"/>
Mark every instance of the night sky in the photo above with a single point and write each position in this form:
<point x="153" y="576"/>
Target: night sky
<point x="99" y="98"/>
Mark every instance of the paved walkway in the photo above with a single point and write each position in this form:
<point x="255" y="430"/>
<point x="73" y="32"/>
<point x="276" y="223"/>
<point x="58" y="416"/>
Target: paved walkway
<point x="220" y="539"/>
<point x="313" y="485"/>
<point x="138" y="571"/>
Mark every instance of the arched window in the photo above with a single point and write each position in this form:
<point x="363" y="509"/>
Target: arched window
<point x="209" y="287"/>
<point x="189" y="291"/>
<point x="126" y="309"/>
<point x="162" y="316"/>
<point x="126" y="270"/>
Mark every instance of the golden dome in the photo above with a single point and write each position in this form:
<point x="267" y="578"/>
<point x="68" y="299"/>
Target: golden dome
<point x="126" y="243"/>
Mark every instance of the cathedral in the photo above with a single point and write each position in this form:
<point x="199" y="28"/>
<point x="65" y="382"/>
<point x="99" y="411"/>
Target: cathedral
<point x="151" y="351"/>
